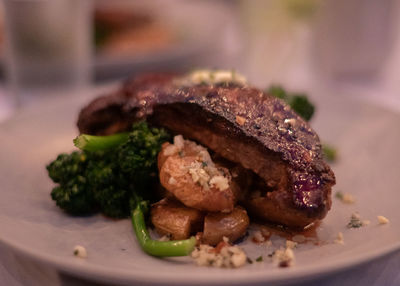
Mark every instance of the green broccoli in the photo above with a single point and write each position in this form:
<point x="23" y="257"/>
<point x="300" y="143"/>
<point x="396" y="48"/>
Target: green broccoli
<point x="73" y="192"/>
<point x="107" y="171"/>
<point x="100" y="143"/>
<point x="330" y="153"/>
<point x="137" y="157"/>
<point x="113" y="173"/>
<point x="301" y="104"/>
<point x="277" y="91"/>
<point x="298" y="102"/>
<point x="110" y="189"/>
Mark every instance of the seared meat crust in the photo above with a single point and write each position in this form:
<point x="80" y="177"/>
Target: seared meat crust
<point x="241" y="124"/>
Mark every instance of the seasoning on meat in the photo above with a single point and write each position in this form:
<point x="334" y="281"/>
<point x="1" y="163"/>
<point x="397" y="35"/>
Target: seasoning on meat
<point x="188" y="172"/>
<point x="291" y="179"/>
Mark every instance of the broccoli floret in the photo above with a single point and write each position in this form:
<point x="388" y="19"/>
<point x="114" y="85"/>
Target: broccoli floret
<point x="110" y="190"/>
<point x="330" y="153"/>
<point x="277" y="91"/>
<point x="66" y="166"/>
<point x="107" y="171"/>
<point x="73" y="192"/>
<point x="301" y="104"/>
<point x="138" y="156"/>
<point x="298" y="102"/>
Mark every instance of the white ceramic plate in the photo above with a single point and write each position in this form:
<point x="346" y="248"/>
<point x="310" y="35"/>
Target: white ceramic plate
<point x="366" y="136"/>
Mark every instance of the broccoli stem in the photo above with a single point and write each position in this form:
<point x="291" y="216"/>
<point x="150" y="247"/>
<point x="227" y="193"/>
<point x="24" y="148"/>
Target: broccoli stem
<point x="155" y="247"/>
<point x="97" y="143"/>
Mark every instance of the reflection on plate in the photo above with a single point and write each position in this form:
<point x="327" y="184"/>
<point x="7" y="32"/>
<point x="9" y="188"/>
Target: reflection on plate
<point x="33" y="226"/>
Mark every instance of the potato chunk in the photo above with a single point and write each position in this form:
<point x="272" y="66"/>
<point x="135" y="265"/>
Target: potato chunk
<point x="232" y="225"/>
<point x="188" y="172"/>
<point x="170" y="217"/>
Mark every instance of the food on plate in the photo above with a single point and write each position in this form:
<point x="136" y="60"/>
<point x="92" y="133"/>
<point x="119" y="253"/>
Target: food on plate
<point x="283" y="257"/>
<point x="223" y="255"/>
<point x="292" y="182"/>
<point x="356" y="221"/>
<point x="382" y="219"/>
<point x="80" y="251"/>
<point x="237" y="153"/>
<point x="339" y="239"/>
<point x="345" y="197"/>
<point x="299" y="102"/>
<point x="102" y="177"/>
<point x="172" y="218"/>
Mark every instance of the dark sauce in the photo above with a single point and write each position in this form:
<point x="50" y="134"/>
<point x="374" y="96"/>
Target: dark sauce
<point x="309" y="234"/>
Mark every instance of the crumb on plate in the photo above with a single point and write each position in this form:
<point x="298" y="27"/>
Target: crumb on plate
<point x="339" y="238"/>
<point x="258" y="237"/>
<point x="291" y="244"/>
<point x="80" y="251"/>
<point x="345" y="197"/>
<point x="283" y="257"/>
<point x="224" y="255"/>
<point x="382" y="219"/>
<point x="356" y="222"/>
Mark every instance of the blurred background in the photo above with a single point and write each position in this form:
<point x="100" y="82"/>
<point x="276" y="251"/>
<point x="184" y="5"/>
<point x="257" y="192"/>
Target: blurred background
<point x="60" y="47"/>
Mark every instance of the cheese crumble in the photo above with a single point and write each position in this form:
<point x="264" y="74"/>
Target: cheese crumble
<point x="283" y="257"/>
<point x="80" y="251"/>
<point x="203" y="171"/>
<point x="291" y="244"/>
<point x="213" y="77"/>
<point x="223" y="255"/>
<point x="345" y="198"/>
<point x="382" y="219"/>
<point x="339" y="238"/>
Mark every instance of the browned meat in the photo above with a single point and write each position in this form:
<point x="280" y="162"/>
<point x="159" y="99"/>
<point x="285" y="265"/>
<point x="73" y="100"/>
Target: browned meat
<point x="241" y="124"/>
<point x="187" y="171"/>
<point x="115" y="112"/>
<point x="232" y="225"/>
<point x="170" y="217"/>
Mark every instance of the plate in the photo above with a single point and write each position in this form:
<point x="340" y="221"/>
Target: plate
<point x="31" y="225"/>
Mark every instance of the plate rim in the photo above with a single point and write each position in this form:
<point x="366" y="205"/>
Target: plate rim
<point x="105" y="274"/>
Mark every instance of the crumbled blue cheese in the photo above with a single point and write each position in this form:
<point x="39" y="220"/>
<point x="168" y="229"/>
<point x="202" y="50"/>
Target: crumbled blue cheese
<point x="203" y="171"/>
<point x="80" y="251"/>
<point x="206" y="76"/>
<point x="291" y="244"/>
<point x="283" y="257"/>
<point x="382" y="219"/>
<point x="199" y="174"/>
<point x="175" y="148"/>
<point x="220" y="182"/>
<point x="228" y="256"/>
<point x="339" y="239"/>
<point x="258" y="236"/>
<point x="345" y="198"/>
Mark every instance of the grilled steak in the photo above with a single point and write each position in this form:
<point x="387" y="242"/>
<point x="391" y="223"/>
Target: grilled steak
<point x="241" y="124"/>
